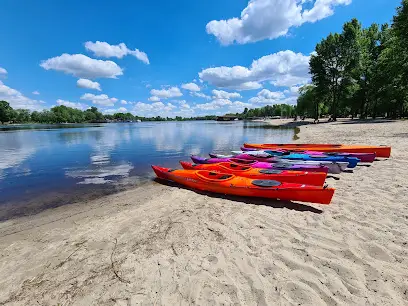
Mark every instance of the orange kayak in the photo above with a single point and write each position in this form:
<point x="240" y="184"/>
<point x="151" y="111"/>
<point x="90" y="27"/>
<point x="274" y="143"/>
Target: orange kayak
<point x="298" y="177"/>
<point x="225" y="183"/>
<point x="380" y="151"/>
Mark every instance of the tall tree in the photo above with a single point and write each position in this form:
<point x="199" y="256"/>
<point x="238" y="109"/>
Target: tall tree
<point x="6" y="112"/>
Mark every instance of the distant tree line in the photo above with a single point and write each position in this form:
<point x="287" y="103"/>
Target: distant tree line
<point x="64" y="114"/>
<point x="360" y="72"/>
<point x="281" y="110"/>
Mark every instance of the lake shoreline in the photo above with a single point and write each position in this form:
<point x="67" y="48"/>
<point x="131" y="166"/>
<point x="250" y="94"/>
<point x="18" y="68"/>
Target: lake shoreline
<point x="169" y="245"/>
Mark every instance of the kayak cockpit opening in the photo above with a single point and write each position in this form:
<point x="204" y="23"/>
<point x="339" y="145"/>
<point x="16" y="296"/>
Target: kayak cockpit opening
<point x="214" y="176"/>
<point x="266" y="183"/>
<point x="270" y="171"/>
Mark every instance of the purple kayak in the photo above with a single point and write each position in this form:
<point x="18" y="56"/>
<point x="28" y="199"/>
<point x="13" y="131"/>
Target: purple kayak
<point x="363" y="157"/>
<point x="261" y="165"/>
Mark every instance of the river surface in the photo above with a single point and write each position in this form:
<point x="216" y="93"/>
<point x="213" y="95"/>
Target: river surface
<point x="48" y="165"/>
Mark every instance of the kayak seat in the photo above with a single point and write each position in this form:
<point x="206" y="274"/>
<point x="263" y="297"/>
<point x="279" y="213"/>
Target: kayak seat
<point x="233" y="165"/>
<point x="270" y="171"/>
<point x="266" y="183"/>
<point x="224" y="177"/>
<point x="171" y="170"/>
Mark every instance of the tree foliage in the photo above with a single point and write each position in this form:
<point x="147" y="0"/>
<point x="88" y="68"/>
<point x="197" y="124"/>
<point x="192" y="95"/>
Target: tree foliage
<point x="360" y="72"/>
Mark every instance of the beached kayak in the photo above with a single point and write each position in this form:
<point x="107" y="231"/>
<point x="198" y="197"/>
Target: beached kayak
<point x="225" y="183"/>
<point x="363" y="157"/>
<point x="380" y="151"/>
<point x="352" y="161"/>
<point x="261" y="165"/>
<point x="334" y="167"/>
<point x="298" y="177"/>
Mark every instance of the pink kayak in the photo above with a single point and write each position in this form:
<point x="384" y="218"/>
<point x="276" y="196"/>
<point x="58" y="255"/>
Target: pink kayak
<point x="363" y="157"/>
<point x="261" y="165"/>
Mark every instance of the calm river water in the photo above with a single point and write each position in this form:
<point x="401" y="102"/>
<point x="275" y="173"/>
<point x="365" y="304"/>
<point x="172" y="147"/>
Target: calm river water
<point x="46" y="165"/>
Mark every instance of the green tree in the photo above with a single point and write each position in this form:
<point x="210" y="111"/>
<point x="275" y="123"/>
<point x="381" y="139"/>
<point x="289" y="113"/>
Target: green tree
<point x="6" y="112"/>
<point x="22" y="115"/>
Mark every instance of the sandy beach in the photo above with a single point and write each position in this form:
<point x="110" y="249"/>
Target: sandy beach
<point x="164" y="245"/>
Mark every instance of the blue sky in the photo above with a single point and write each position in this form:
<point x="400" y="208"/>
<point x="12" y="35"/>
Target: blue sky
<point x="166" y="58"/>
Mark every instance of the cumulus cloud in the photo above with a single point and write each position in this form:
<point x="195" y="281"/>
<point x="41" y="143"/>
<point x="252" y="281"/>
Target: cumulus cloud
<point x="291" y="80"/>
<point x="111" y="111"/>
<point x="200" y="95"/>
<point x="171" y="92"/>
<point x="154" y="99"/>
<point x="225" y="105"/>
<point x="103" y="49"/>
<point x="3" y="71"/>
<point x="283" y="67"/>
<point x="85" y="83"/>
<point x="36" y="92"/>
<point x="267" y="97"/>
<point x="82" y="66"/>
<point x="102" y="100"/>
<point x="269" y="19"/>
<point x="191" y="87"/>
<point x="322" y="9"/>
<point x="221" y="94"/>
<point x="214" y="104"/>
<point x="72" y="104"/>
<point x="17" y="100"/>
<point x="153" y="109"/>
<point x="124" y="102"/>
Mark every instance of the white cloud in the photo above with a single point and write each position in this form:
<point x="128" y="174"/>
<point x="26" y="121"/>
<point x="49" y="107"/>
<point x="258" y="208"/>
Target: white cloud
<point x="82" y="66"/>
<point x="267" y="97"/>
<point x="154" y="99"/>
<point x="184" y="105"/>
<point x="238" y="107"/>
<point x="72" y="104"/>
<point x="103" y="49"/>
<point x="223" y="105"/>
<point x="154" y="109"/>
<point x="36" y="92"/>
<point x="200" y="95"/>
<point x="111" y="111"/>
<point x="213" y="105"/>
<point x="293" y="91"/>
<point x="269" y="19"/>
<point x="85" y="83"/>
<point x="17" y="100"/>
<point x="221" y="94"/>
<point x="282" y="67"/>
<point x="322" y="9"/>
<point x="3" y="71"/>
<point x="191" y="87"/>
<point x="172" y="92"/>
<point x="290" y="80"/>
<point x="102" y="100"/>
<point x="246" y="86"/>
<point x="124" y="102"/>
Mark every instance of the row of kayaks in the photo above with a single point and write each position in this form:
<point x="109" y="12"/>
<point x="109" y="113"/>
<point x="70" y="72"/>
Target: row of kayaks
<point x="285" y="172"/>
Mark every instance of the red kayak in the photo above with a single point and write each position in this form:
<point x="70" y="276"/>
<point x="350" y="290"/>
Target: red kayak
<point x="225" y="183"/>
<point x="299" y="177"/>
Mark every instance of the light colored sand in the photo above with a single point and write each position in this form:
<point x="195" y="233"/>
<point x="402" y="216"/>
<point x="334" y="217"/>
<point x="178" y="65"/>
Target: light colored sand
<point x="178" y="247"/>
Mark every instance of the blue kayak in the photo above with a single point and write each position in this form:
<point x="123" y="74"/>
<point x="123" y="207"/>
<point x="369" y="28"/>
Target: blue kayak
<point x="352" y="161"/>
